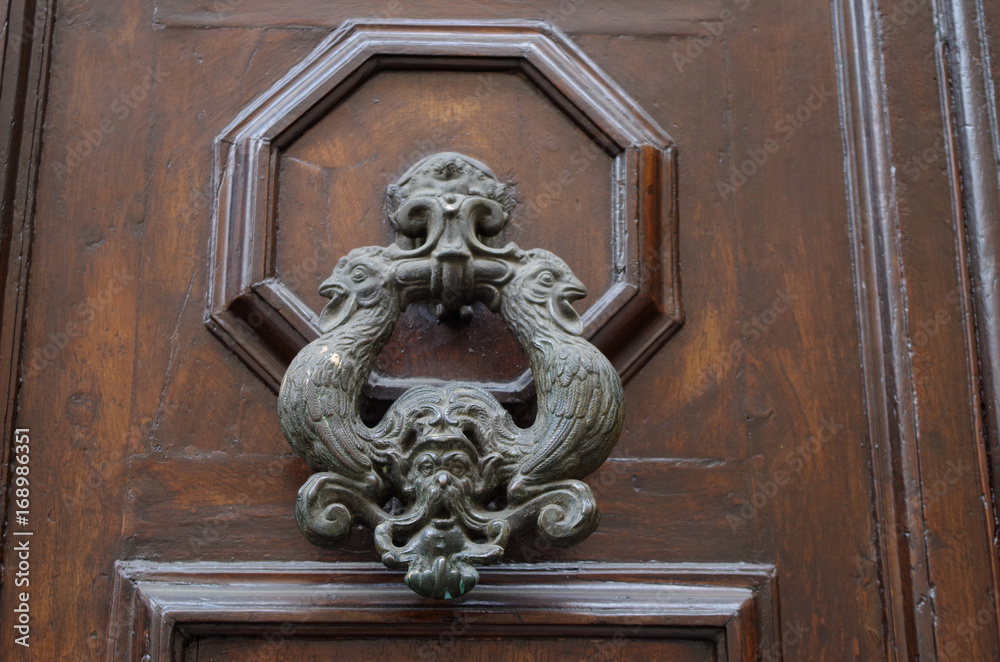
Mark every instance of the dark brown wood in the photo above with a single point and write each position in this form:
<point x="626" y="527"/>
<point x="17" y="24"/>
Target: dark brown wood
<point x="685" y="18"/>
<point x="969" y="72"/>
<point x="550" y="649"/>
<point x="919" y="315"/>
<point x="266" y="322"/>
<point x="24" y="62"/>
<point x="192" y="508"/>
<point x="824" y="416"/>
<point x="169" y="611"/>
<point x="902" y="555"/>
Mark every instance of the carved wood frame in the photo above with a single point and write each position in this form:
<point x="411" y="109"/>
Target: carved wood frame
<point x="159" y="609"/>
<point x="886" y="335"/>
<point x="25" y="46"/>
<point x="266" y="324"/>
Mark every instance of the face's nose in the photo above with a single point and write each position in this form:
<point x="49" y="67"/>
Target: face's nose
<point x="443" y="478"/>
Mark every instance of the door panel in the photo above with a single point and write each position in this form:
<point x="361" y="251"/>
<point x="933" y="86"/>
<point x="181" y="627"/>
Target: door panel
<point x="280" y="610"/>
<point x="557" y="650"/>
<point x="803" y="472"/>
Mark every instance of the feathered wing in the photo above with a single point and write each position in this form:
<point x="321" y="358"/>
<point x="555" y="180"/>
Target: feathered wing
<point x="579" y="393"/>
<point x="315" y="411"/>
<point x="580" y="416"/>
<point x="319" y="394"/>
<point x="499" y="434"/>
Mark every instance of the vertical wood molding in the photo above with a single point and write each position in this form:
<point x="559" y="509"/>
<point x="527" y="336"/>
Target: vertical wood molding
<point x="886" y="328"/>
<point x="23" y="84"/>
<point x="882" y="313"/>
<point x="972" y="94"/>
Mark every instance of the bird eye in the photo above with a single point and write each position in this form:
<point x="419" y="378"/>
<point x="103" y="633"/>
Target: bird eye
<point x="546" y="278"/>
<point x="359" y="274"/>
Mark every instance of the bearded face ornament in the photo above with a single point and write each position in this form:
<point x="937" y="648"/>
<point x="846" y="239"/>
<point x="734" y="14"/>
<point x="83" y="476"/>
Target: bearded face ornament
<point x="447" y="477"/>
<point x="440" y="484"/>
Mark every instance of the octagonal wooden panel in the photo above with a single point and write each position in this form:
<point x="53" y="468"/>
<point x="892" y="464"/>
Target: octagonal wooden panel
<point x="367" y="141"/>
<point x="302" y="173"/>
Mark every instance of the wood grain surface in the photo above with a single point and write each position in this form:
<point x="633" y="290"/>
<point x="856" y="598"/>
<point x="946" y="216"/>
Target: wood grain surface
<point x="826" y="409"/>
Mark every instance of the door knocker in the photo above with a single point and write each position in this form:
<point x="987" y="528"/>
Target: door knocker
<point x="461" y="475"/>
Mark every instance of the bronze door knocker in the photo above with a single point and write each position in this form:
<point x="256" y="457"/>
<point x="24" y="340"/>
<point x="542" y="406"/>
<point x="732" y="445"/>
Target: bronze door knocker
<point x="466" y="476"/>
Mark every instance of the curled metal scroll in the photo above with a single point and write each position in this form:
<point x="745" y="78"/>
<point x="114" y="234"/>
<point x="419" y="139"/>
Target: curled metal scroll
<point x="447" y="477"/>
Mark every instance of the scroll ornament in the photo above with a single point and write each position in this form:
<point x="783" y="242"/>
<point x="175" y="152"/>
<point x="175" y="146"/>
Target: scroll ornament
<point x="447" y="477"/>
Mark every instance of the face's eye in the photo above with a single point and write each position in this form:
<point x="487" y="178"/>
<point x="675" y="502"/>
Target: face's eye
<point x="425" y="465"/>
<point x="458" y="465"/>
<point x="546" y="278"/>
<point x="359" y="274"/>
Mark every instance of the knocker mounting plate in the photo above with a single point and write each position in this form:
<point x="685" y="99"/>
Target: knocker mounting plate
<point x="446" y="477"/>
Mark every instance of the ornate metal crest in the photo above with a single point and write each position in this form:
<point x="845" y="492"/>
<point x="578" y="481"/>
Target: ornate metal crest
<point x="446" y="477"/>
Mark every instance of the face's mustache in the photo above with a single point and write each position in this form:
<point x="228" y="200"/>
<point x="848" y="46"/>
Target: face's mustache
<point x="452" y="495"/>
<point x="450" y="501"/>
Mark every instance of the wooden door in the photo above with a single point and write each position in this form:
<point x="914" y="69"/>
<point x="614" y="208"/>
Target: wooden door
<point x="784" y="213"/>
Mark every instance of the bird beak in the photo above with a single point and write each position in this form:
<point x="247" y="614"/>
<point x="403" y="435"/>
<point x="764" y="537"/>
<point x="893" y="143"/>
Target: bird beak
<point x="332" y="289"/>
<point x="562" y="310"/>
<point x="573" y="290"/>
<point x="339" y="308"/>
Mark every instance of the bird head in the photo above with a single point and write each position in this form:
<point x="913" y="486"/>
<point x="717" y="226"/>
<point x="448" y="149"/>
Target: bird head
<point x="547" y="288"/>
<point x="362" y="279"/>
